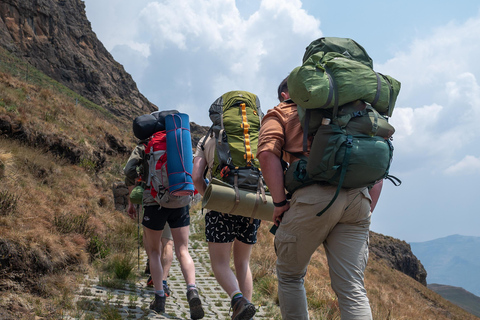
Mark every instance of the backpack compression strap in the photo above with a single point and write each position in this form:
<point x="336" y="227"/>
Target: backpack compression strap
<point x="248" y="149"/>
<point x="346" y="159"/>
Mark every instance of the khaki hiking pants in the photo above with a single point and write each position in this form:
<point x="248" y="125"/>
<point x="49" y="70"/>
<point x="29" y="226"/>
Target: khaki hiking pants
<point x="343" y="231"/>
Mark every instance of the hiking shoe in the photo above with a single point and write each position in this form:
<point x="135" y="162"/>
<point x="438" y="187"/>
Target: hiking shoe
<point x="196" y="310"/>
<point x="150" y="282"/>
<point x="166" y="289"/>
<point x="243" y="309"/>
<point x="158" y="304"/>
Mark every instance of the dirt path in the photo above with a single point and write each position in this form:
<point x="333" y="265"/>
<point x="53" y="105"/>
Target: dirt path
<point x="133" y="302"/>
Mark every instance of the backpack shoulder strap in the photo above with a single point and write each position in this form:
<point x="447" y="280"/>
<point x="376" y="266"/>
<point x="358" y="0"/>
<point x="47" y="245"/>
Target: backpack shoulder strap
<point x="209" y="132"/>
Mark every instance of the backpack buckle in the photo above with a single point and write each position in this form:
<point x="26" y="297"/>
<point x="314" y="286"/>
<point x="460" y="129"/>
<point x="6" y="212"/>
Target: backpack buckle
<point x="349" y="142"/>
<point x="224" y="172"/>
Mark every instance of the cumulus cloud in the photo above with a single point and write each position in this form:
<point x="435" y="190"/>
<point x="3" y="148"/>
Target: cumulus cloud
<point x="439" y="103"/>
<point x="468" y="165"/>
<point x="197" y="50"/>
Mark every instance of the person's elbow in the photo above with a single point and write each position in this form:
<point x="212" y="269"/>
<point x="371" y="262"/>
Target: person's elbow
<point x="265" y="156"/>
<point x="197" y="180"/>
<point x="197" y="173"/>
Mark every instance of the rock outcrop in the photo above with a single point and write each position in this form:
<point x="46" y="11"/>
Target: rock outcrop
<point x="56" y="37"/>
<point x="398" y="254"/>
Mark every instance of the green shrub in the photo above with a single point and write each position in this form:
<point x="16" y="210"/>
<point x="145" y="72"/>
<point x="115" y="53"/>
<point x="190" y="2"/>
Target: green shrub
<point x="97" y="248"/>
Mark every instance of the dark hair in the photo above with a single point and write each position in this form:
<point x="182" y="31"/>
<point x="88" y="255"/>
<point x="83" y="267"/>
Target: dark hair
<point x="283" y="87"/>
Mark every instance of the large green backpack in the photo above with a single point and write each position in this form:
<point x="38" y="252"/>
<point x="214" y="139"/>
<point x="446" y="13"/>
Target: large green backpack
<point x="351" y="147"/>
<point x="236" y="117"/>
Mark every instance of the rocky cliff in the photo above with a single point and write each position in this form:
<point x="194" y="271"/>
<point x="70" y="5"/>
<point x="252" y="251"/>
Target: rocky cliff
<point x="398" y="255"/>
<point x="56" y="37"/>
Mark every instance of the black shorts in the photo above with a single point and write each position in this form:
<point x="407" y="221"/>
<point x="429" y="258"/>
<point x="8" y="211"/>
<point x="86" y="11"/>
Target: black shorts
<point x="155" y="217"/>
<point x="224" y="228"/>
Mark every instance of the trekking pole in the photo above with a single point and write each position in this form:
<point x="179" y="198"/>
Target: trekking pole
<point x="138" y="237"/>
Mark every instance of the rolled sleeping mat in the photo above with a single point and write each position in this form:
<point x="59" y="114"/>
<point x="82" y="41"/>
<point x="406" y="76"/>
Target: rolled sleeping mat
<point x="220" y="197"/>
<point x="179" y="154"/>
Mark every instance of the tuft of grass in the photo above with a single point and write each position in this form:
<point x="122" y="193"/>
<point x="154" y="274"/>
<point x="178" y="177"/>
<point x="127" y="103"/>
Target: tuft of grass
<point x="123" y="266"/>
<point x="109" y="312"/>
<point x="5" y="160"/>
<point x="8" y="203"/>
<point x="73" y="223"/>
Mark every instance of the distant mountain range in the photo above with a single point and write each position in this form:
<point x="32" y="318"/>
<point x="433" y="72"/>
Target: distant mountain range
<point x="458" y="296"/>
<point x="453" y="261"/>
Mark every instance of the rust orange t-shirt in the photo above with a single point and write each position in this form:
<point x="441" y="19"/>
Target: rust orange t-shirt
<point x="281" y="130"/>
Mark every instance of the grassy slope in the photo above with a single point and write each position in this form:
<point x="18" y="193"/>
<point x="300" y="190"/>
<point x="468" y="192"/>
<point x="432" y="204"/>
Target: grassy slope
<point x="55" y="217"/>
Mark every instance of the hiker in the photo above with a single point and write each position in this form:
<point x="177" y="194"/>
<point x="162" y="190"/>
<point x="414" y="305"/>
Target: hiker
<point x="226" y="232"/>
<point x="154" y="221"/>
<point x="132" y="179"/>
<point x="343" y="229"/>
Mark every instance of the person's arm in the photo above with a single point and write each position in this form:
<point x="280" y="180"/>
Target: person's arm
<point x="132" y="212"/>
<point x="273" y="173"/>
<point x="199" y="165"/>
<point x="131" y="176"/>
<point x="375" y="194"/>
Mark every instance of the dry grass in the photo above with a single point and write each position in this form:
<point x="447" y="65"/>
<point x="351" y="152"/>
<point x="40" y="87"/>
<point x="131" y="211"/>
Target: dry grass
<point x="48" y="112"/>
<point x="64" y="219"/>
<point x="55" y="217"/>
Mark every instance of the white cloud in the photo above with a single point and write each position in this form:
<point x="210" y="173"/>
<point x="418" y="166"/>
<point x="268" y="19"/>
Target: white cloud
<point x="199" y="50"/>
<point x="437" y="112"/>
<point x="468" y="165"/>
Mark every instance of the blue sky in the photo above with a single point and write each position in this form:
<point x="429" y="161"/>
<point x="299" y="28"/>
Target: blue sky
<point x="184" y="54"/>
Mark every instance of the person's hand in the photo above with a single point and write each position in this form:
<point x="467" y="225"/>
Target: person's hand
<point x="278" y="213"/>
<point x="132" y="212"/>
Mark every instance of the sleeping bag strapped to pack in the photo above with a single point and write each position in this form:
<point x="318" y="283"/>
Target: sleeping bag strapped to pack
<point x="180" y="156"/>
<point x="236" y="117"/>
<point x="158" y="180"/>
<point x="336" y="71"/>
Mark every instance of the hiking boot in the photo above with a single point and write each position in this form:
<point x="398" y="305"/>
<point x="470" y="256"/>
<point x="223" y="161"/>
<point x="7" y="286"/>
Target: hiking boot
<point x="196" y="310"/>
<point x="150" y="282"/>
<point x="243" y="309"/>
<point x="166" y="289"/>
<point x="158" y="304"/>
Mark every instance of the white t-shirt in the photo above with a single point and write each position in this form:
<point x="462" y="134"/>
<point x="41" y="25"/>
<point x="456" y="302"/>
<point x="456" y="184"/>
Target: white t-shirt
<point x="209" y="153"/>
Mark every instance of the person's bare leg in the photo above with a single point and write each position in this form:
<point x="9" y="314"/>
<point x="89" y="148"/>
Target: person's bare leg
<point x="152" y="246"/>
<point x="167" y="256"/>
<point x="220" y="260"/>
<point x="241" y="260"/>
<point x="180" y="239"/>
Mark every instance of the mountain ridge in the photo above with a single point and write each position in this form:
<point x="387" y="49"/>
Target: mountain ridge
<point x="452" y="260"/>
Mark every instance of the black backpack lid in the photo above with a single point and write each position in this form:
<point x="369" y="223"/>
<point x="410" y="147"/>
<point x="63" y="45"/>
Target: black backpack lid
<point x="145" y="126"/>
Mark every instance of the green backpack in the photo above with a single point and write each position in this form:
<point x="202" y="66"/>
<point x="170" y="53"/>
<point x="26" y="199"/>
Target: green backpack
<point x="236" y="117"/>
<point x="351" y="147"/>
